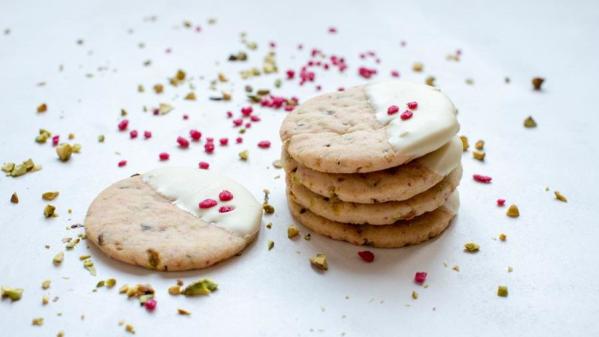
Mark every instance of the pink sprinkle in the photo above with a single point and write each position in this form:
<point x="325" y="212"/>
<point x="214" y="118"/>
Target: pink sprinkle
<point x="238" y="140"/>
<point x="210" y="140"/>
<point x="164" y="156"/>
<point x="255" y="118"/>
<point x="413" y="105"/>
<point x="55" y="140"/>
<point x="207" y="203"/>
<point x="195" y="135"/>
<point x="392" y="109"/>
<point x="366" y="72"/>
<point x="147" y="134"/>
<point x="183" y="143"/>
<point x="225" y="195"/>
<point x="150" y="304"/>
<point x="133" y="134"/>
<point x="246" y="111"/>
<point x="204" y="165"/>
<point x="406" y="115"/>
<point x="420" y="277"/>
<point x="366" y="255"/>
<point x="500" y="202"/>
<point x="264" y="144"/>
<point x="394" y="73"/>
<point x="290" y="74"/>
<point x="229" y="114"/>
<point x="248" y="125"/>
<point x="185" y="117"/>
<point x="224" y="141"/>
<point x="482" y="179"/>
<point x="209" y="147"/>
<point x="225" y="209"/>
<point x="123" y="125"/>
<point x="122" y="163"/>
<point x="237" y="122"/>
<point x="332" y="30"/>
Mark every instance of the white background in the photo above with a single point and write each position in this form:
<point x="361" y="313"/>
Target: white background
<point x="554" y="288"/>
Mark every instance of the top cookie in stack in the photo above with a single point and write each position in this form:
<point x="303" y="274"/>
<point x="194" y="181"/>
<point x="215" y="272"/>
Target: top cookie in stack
<point x="376" y="164"/>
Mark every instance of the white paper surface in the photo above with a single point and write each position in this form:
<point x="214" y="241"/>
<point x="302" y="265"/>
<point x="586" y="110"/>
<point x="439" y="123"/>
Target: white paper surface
<point x="554" y="288"/>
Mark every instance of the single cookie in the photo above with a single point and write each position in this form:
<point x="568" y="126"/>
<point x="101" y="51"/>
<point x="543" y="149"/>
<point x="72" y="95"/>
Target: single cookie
<point x="352" y="131"/>
<point x="154" y="220"/>
<point x="394" y="184"/>
<point x="400" y="234"/>
<point x="385" y="213"/>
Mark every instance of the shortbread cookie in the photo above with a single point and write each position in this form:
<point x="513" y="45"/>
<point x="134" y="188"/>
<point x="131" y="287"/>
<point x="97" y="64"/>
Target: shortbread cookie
<point x="385" y="213"/>
<point x="354" y="131"/>
<point x="155" y="221"/>
<point x="402" y="233"/>
<point x="394" y="184"/>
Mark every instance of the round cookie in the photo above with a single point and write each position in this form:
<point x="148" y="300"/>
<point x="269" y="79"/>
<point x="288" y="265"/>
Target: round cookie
<point x="351" y="131"/>
<point x="154" y="220"/>
<point x="402" y="233"/>
<point x="394" y="184"/>
<point x="374" y="214"/>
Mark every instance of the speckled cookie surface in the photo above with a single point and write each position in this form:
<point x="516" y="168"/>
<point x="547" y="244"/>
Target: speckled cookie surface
<point x="131" y="222"/>
<point x="374" y="214"/>
<point x="345" y="132"/>
<point x="400" y="234"/>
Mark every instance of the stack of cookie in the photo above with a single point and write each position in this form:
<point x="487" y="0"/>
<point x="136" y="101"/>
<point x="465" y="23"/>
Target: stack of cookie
<point x="375" y="165"/>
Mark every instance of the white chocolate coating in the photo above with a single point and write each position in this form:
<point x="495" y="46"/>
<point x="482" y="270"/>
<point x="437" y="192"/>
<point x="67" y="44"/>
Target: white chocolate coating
<point x="187" y="187"/>
<point x="445" y="159"/>
<point x="433" y="123"/>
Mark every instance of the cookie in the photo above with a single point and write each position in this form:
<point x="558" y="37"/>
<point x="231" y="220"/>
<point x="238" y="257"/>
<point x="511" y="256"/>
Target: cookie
<point x="154" y="220"/>
<point x="394" y="184"/>
<point x="351" y="131"/>
<point x="385" y="213"/>
<point x="402" y="233"/>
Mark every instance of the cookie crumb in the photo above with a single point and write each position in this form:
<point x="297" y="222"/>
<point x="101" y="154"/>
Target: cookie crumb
<point x="183" y="312"/>
<point x="14" y="294"/>
<point x="560" y="197"/>
<point x="502" y="237"/>
<point x="479" y="155"/>
<point x="14" y="198"/>
<point x="537" y="83"/>
<point x="319" y="261"/>
<point x="480" y="144"/>
<point x="38" y="321"/>
<point x="292" y="231"/>
<point x="465" y="144"/>
<point x="49" y="196"/>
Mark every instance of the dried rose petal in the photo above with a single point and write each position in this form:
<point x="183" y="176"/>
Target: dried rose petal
<point x="366" y="255"/>
<point x="207" y="203"/>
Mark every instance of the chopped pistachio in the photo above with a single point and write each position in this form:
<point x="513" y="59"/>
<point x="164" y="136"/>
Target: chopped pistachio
<point x="502" y="291"/>
<point x="471" y="247"/>
<point x="537" y="83"/>
<point x="130" y="329"/>
<point x="510" y="269"/>
<point x="465" y="144"/>
<point x="72" y="243"/>
<point x="529" y="122"/>
<point x="430" y="81"/>
<point x="292" y="231"/>
<point x="560" y="197"/>
<point x="513" y="211"/>
<point x="38" y="321"/>
<point x="76" y="148"/>
<point x="414" y="295"/>
<point x="58" y="258"/>
<point x="140" y="88"/>
<point x="49" y="211"/>
<point x="124" y="289"/>
<point x="174" y="290"/>
<point x="308" y="236"/>
<point x="71" y="136"/>
<point x="42" y="108"/>
<point x="270" y="244"/>
<point x="100" y="284"/>
<point x="14" y="294"/>
<point x="319" y="261"/>
<point x="8" y="167"/>
<point x="164" y="108"/>
<point x="111" y="282"/>
<point x="277" y="164"/>
<point x="45" y="300"/>
<point x="417" y="67"/>
<point x="89" y="265"/>
<point x="268" y="208"/>
<point x="244" y="155"/>
<point x="60" y="334"/>
<point x="64" y="151"/>
<point x="49" y="196"/>
<point x="46" y="284"/>
<point x="158" y="88"/>
<point x="201" y="287"/>
<point x="480" y="144"/>
<point x="14" y="198"/>
<point x="269" y="225"/>
<point x="183" y="312"/>
<point x="502" y="237"/>
<point x="191" y="96"/>
<point x="478" y="155"/>
<point x="101" y="139"/>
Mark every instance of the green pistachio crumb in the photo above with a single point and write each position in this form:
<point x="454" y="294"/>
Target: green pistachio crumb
<point x="202" y="287"/>
<point x="478" y="155"/>
<point x="560" y="197"/>
<point x="38" y="321"/>
<point x="49" y="196"/>
<point x="58" y="258"/>
<point x="46" y="284"/>
<point x="244" y="155"/>
<point x="14" y="294"/>
<point x="270" y="244"/>
<point x="292" y="231"/>
<point x="502" y="291"/>
<point x="49" y="211"/>
<point x="64" y="151"/>
<point x="471" y="247"/>
<point x="465" y="144"/>
<point x="529" y="122"/>
<point x="513" y="211"/>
